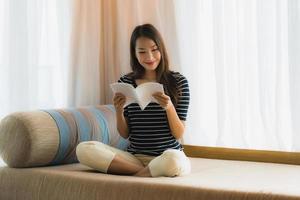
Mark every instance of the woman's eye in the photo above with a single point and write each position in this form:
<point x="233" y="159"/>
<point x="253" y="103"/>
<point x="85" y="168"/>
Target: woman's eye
<point x="154" y="49"/>
<point x="142" y="52"/>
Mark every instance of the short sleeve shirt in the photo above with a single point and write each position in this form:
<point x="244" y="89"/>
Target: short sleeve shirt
<point x="149" y="131"/>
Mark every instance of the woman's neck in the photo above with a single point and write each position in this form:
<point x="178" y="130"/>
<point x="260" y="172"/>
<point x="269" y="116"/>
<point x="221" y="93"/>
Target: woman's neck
<point x="150" y="76"/>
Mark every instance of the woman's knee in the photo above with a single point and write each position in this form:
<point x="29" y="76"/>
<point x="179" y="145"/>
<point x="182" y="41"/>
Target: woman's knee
<point x="95" y="155"/>
<point x="170" y="163"/>
<point x="177" y="161"/>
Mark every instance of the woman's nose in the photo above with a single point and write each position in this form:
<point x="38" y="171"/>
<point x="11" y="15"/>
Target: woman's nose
<point x="149" y="55"/>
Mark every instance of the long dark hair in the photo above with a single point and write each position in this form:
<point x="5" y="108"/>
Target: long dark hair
<point x="163" y="74"/>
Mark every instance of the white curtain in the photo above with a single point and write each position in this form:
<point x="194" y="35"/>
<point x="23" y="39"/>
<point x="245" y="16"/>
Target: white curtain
<point x="49" y="54"/>
<point x="33" y="38"/>
<point x="242" y="60"/>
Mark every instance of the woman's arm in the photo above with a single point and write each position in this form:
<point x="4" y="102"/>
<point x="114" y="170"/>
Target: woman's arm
<point x="122" y="125"/>
<point x="119" y="101"/>
<point x="177" y="126"/>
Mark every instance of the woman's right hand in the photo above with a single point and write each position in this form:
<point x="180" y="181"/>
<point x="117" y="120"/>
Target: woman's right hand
<point x="119" y="102"/>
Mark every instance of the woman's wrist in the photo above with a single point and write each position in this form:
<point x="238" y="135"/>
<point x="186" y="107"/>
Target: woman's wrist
<point x="169" y="106"/>
<point x="119" y="111"/>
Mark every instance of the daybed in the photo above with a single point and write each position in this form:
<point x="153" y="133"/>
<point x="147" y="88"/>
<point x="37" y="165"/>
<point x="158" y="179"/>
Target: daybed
<point x="38" y="147"/>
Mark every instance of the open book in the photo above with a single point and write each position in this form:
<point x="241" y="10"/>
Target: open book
<point x="142" y="94"/>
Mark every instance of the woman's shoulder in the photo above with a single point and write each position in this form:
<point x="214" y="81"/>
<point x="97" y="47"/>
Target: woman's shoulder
<point x="127" y="78"/>
<point x="178" y="76"/>
<point x="181" y="81"/>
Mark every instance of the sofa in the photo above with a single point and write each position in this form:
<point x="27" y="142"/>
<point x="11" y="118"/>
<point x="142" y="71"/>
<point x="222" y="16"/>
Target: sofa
<point x="38" y="148"/>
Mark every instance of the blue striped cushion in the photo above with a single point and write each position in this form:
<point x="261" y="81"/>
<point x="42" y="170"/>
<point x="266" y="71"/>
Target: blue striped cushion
<point x="53" y="135"/>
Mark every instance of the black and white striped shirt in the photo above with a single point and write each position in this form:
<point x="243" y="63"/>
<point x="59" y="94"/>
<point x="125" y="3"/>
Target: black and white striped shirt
<point x="149" y="131"/>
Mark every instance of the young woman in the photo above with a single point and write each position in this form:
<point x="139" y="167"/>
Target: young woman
<point x="154" y="132"/>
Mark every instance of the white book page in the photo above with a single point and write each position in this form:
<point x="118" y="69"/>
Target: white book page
<point x="127" y="90"/>
<point x="145" y="92"/>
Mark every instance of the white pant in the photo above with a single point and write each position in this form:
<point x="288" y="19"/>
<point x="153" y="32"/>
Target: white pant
<point x="98" y="155"/>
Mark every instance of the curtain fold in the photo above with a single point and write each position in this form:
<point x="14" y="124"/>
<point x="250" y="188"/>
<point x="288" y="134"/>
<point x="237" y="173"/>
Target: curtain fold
<point x="84" y="68"/>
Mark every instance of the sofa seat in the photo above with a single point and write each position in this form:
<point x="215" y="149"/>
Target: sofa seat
<point x="210" y="179"/>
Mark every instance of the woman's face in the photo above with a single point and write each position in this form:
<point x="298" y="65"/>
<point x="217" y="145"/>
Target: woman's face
<point x="147" y="53"/>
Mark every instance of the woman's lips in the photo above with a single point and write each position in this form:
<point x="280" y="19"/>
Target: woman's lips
<point x="150" y="63"/>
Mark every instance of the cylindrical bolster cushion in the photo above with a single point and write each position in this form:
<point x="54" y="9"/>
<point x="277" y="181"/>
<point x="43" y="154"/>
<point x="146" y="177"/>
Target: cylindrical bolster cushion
<point x="50" y="137"/>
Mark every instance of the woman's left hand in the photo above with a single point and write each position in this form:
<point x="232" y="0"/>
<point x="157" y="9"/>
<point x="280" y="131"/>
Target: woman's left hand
<point x="163" y="99"/>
